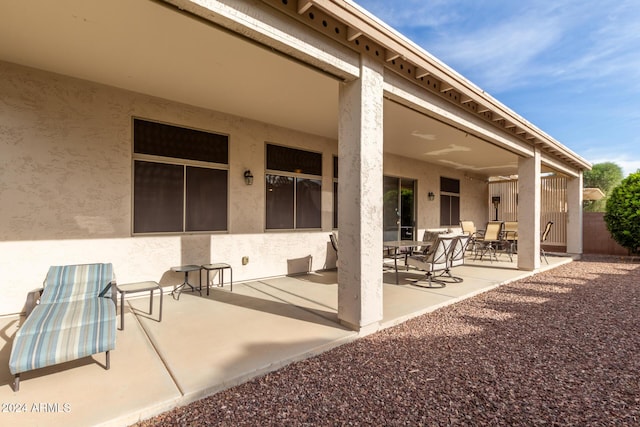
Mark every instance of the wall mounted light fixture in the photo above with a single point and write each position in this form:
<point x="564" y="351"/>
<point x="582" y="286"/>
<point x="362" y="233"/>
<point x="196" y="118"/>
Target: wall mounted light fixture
<point x="431" y="196"/>
<point x="248" y="178"/>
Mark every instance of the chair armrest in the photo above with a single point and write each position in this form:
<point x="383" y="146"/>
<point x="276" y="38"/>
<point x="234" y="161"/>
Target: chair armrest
<point x="110" y="291"/>
<point x="114" y="293"/>
<point x="33" y="298"/>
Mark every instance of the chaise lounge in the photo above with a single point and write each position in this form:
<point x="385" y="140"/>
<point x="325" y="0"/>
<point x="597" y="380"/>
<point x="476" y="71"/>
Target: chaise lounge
<point x="75" y="318"/>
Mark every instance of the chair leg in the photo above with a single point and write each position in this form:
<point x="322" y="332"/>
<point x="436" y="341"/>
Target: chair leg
<point x="16" y="382"/>
<point x="108" y="355"/>
<point x="510" y="251"/>
<point x="476" y="250"/>
<point x="430" y="277"/>
<point x="430" y="280"/>
<point x="488" y="248"/>
<point x="454" y="279"/>
<point x="544" y="255"/>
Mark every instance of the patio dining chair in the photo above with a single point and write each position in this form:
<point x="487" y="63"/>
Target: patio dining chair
<point x="469" y="228"/>
<point x="334" y="242"/>
<point x="333" y="237"/>
<point x="456" y="256"/>
<point x="510" y="235"/>
<point x="490" y="241"/>
<point x="429" y="238"/>
<point x="435" y="259"/>
<point x="545" y="236"/>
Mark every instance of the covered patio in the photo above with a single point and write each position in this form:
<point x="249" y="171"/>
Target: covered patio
<point x="320" y="80"/>
<point x="349" y="91"/>
<point x="210" y="343"/>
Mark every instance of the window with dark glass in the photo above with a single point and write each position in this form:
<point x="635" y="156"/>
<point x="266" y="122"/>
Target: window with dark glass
<point x="180" y="179"/>
<point x="293" y="188"/>
<point x="449" y="201"/>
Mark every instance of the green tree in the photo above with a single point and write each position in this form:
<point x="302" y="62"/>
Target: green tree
<point x="623" y="213"/>
<point x="605" y="176"/>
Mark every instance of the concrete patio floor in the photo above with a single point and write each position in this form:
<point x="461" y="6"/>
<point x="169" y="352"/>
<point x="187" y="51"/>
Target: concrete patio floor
<point x="210" y="343"/>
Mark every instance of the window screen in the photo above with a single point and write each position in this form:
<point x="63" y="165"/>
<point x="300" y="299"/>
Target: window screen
<point x="293" y="198"/>
<point x="449" y="201"/>
<point x="293" y="160"/>
<point x="158" y="190"/>
<point x="170" y="194"/>
<point x="448" y="185"/>
<point x="181" y="143"/>
<point x="206" y="206"/>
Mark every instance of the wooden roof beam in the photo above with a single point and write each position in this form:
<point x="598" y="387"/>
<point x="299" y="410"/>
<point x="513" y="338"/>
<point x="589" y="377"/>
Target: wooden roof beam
<point x="353" y="34"/>
<point x="390" y="55"/>
<point x="304" y="5"/>
<point x="421" y="72"/>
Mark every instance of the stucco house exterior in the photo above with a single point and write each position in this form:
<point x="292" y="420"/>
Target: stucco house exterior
<point x="129" y="129"/>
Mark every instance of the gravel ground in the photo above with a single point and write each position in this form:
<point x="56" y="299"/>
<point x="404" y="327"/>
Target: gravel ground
<point x="560" y="348"/>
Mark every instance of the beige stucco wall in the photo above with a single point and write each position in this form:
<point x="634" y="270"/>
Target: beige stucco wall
<point x="66" y="180"/>
<point x="473" y="190"/>
<point x="65" y="187"/>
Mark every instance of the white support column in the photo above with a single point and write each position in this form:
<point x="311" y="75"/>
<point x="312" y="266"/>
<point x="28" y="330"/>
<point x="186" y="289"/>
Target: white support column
<point x="529" y="205"/>
<point x="574" y="218"/>
<point x="360" y="142"/>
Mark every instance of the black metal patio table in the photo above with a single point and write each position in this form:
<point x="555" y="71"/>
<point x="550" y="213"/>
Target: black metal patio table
<point x="184" y="269"/>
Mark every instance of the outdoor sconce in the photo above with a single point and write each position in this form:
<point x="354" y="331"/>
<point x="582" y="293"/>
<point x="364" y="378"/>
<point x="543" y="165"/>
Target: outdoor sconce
<point x="248" y="178"/>
<point x="431" y="196"/>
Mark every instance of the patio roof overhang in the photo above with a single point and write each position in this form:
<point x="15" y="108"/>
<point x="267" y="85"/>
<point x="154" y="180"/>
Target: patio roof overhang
<point x="353" y="26"/>
<point x="235" y="59"/>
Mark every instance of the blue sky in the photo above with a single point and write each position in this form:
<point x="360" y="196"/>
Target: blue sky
<point x="570" y="67"/>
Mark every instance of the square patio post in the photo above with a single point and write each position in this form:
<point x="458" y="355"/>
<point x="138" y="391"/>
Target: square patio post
<point x="574" y="218"/>
<point x="529" y="205"/>
<point x="360" y="199"/>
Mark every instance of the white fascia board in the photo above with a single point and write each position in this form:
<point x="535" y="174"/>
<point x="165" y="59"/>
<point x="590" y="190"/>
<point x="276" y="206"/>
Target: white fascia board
<point x="562" y="167"/>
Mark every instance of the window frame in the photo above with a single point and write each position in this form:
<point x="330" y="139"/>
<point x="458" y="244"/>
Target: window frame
<point x="296" y="177"/>
<point x="185" y="163"/>
<point x="449" y="195"/>
<point x="334" y="183"/>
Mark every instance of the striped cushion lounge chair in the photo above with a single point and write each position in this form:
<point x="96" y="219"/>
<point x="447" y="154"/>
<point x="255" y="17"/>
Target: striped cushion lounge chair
<point x="75" y="318"/>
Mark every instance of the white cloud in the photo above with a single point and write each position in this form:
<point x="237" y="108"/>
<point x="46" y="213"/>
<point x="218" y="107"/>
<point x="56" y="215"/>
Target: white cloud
<point x="501" y="55"/>
<point x="574" y="64"/>
<point x="506" y="44"/>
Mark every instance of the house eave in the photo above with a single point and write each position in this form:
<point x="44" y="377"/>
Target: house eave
<point x="409" y="60"/>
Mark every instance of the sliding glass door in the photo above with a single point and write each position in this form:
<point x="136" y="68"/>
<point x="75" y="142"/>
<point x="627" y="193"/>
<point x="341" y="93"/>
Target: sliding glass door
<point x="399" y="209"/>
